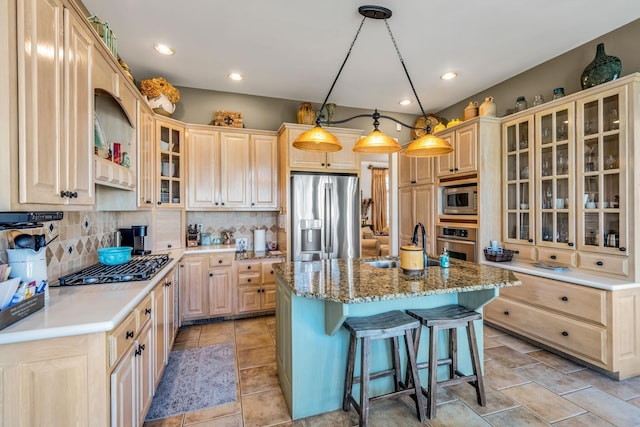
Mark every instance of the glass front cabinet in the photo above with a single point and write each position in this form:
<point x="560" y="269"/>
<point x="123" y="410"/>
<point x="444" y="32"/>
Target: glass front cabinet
<point x="602" y="163"/>
<point x="170" y="138"/>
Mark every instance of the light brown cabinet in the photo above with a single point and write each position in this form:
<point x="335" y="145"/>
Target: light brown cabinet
<point x="168" y="229"/>
<point x="231" y="169"/>
<point x="464" y="157"/>
<point x="415" y="170"/>
<point x="206" y="286"/>
<point x="55" y="103"/>
<point x="256" y="286"/>
<point x="416" y="204"/>
<point x="169" y="149"/>
<point x="146" y="160"/>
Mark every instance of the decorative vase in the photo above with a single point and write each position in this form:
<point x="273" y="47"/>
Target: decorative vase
<point x="161" y="105"/>
<point x="603" y="68"/>
<point x="488" y="107"/>
<point x="306" y="114"/>
<point x="521" y="104"/>
<point x="471" y="111"/>
<point x="558" y="93"/>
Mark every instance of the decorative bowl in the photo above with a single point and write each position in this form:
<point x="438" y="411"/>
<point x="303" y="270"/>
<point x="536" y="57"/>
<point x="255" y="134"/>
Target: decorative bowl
<point x="7" y="290"/>
<point x="115" y="255"/>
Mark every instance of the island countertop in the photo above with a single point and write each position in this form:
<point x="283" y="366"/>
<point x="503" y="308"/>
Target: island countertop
<point x="355" y="281"/>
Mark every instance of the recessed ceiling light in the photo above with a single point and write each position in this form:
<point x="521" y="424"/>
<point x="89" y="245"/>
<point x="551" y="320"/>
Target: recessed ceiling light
<point x="236" y="76"/>
<point x="163" y="49"/>
<point x="448" y="76"/>
<point x="405" y="102"/>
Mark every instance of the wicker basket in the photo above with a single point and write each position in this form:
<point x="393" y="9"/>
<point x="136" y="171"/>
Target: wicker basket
<point x="498" y="256"/>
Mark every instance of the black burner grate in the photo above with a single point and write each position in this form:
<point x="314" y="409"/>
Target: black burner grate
<point x="137" y="269"/>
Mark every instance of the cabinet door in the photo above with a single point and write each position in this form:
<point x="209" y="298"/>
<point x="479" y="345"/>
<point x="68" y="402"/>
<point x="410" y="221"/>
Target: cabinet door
<point x="124" y="410"/>
<point x="602" y="159"/>
<point x="405" y="170"/>
<point x="220" y="294"/>
<point x="194" y="292"/>
<point x="171" y="316"/>
<point x="235" y="174"/>
<point x="264" y="182"/>
<point x="146" y="127"/>
<point x="345" y="159"/>
<point x="145" y="372"/>
<point x="300" y="159"/>
<point x="249" y="298"/>
<point x="170" y="148"/>
<point x="406" y="214"/>
<point x="423" y="201"/>
<point x="268" y="297"/>
<point x="555" y="172"/>
<point x="102" y="75"/>
<point x="40" y="101"/>
<point x="466" y="150"/>
<point x="268" y="272"/>
<point x="423" y="170"/>
<point x="518" y="191"/>
<point x="203" y="158"/>
<point x="168" y="230"/>
<point x="159" y="316"/>
<point x="445" y="164"/>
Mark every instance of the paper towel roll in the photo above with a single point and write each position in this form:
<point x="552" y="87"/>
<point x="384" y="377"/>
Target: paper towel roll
<point x="259" y="244"/>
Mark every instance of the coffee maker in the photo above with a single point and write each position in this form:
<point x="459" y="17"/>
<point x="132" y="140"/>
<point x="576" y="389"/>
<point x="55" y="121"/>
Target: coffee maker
<point x="134" y="237"/>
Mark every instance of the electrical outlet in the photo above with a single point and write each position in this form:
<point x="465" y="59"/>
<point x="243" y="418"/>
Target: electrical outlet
<point x="241" y="244"/>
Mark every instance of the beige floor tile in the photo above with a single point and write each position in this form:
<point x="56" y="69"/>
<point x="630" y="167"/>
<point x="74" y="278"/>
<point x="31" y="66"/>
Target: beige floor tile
<point x="509" y="357"/>
<point x="270" y="320"/>
<point x="492" y="342"/>
<point x="552" y="379"/>
<point x="516" y="417"/>
<point x="212" y="413"/>
<point x="635" y="402"/>
<point x="216" y="338"/>
<point x="392" y="412"/>
<point x="257" y="356"/>
<point x="175" y="421"/>
<point x="258" y="339"/>
<point x="457" y="414"/>
<point x="218" y="327"/>
<point x="517" y="344"/>
<point x="496" y="401"/>
<point x="264" y="409"/>
<point x="188" y="333"/>
<point x="337" y="418"/>
<point x="543" y="403"/>
<point x="184" y="345"/>
<point x="498" y="376"/>
<point x="234" y="420"/>
<point x="254" y="324"/>
<point x="583" y="420"/>
<point x="624" y="390"/>
<point x="614" y="410"/>
<point x="555" y="361"/>
<point x="260" y="378"/>
<point x="489" y="331"/>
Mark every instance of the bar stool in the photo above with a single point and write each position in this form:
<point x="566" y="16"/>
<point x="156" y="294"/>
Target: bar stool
<point x="449" y="317"/>
<point x="392" y="324"/>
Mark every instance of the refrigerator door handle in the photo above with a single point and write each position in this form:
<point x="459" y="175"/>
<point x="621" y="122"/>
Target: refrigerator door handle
<point x="328" y="225"/>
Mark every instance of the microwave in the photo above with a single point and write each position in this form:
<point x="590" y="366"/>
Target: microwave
<point x="460" y="200"/>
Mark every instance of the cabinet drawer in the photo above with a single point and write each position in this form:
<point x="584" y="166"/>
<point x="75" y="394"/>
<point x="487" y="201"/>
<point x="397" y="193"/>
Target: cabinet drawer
<point x="121" y="338"/>
<point x="222" y="259"/>
<point x="522" y="252"/>
<point x="268" y="273"/>
<point x="249" y="279"/>
<point x="249" y="267"/>
<point x="583" y="340"/>
<point x="604" y="263"/>
<point x="143" y="312"/>
<point x="567" y="299"/>
<point x="560" y="256"/>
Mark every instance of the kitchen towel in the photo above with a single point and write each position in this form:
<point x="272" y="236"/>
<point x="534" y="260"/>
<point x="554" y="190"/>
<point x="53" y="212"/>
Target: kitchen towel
<point x="259" y="243"/>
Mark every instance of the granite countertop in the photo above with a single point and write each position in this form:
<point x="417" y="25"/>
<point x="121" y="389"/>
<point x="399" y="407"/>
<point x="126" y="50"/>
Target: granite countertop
<point x="355" y="281"/>
<point x="251" y="255"/>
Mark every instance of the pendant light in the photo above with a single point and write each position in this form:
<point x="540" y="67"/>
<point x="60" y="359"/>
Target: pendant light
<point x="319" y="139"/>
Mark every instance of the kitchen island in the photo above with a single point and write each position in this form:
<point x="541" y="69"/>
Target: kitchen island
<point x="314" y="298"/>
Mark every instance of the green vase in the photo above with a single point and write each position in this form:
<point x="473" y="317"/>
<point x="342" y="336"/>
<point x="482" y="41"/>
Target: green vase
<point x="603" y="68"/>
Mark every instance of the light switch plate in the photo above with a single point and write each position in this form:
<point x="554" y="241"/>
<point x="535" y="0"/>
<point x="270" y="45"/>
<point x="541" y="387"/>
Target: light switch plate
<point x="241" y="244"/>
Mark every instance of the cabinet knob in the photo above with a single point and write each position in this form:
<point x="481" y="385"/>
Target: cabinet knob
<point x="168" y="283"/>
<point x="272" y="272"/>
<point x="65" y="194"/>
<point x="623" y="249"/>
<point x="322" y="164"/>
<point x="147" y="311"/>
<point x="253" y="204"/>
<point x="148" y="201"/>
<point x="169" y="246"/>
<point x="248" y="267"/>
<point x="222" y="203"/>
<point x="74" y="195"/>
<point x="565" y="299"/>
<point x="141" y="346"/>
<point x="158" y="202"/>
<point x="506" y="313"/>
<point x="517" y="252"/>
<point x="138" y="352"/>
<point x="553" y="257"/>
<point x="216" y="203"/>
<point x="599" y="263"/>
<point x="328" y="165"/>
<point x="413" y="182"/>
<point x="450" y="170"/>
<point x="210" y="274"/>
<point x="219" y="261"/>
<point x="455" y="169"/>
<point x="565" y="333"/>
<point x="530" y="240"/>
<point x="248" y="280"/>
<point x="570" y="244"/>
<point x="129" y="335"/>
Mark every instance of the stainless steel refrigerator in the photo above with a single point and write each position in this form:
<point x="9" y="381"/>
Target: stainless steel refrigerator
<point x="325" y="216"/>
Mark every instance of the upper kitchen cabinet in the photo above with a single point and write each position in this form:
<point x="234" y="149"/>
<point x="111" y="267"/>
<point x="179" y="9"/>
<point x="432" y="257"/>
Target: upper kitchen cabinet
<point x="146" y="160"/>
<point x="55" y="105"/>
<point x="231" y="169"/>
<point x="169" y="146"/>
<point x="344" y="160"/>
<point x="414" y="170"/>
<point x="464" y="157"/>
<point x="108" y="77"/>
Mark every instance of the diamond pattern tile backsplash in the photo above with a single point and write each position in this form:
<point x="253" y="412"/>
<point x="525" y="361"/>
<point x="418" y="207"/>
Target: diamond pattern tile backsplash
<point x="79" y="235"/>
<point x="242" y="224"/>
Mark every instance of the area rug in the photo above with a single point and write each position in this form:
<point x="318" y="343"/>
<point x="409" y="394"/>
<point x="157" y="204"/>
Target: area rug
<point x="195" y="379"/>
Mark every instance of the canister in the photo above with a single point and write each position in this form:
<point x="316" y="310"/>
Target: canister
<point x="412" y="260"/>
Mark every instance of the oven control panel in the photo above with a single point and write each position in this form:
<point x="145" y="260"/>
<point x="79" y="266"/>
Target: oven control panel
<point x="457" y="233"/>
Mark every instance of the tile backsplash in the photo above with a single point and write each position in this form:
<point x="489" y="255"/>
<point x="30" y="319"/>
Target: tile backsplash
<point x="80" y="234"/>
<point x="242" y="224"/>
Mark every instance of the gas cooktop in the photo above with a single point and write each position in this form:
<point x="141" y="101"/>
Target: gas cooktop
<point x="138" y="268"/>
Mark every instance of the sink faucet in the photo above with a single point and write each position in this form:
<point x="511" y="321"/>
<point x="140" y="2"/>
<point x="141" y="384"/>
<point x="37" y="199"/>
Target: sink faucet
<point x="414" y="241"/>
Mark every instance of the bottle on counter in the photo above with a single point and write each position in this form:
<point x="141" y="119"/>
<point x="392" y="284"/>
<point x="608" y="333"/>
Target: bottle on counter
<point x="444" y="259"/>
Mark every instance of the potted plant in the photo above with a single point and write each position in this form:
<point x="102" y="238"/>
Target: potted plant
<point x="161" y="95"/>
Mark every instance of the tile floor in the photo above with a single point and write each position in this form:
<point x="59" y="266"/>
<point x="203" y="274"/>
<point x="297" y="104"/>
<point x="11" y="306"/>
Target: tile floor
<point x="525" y="386"/>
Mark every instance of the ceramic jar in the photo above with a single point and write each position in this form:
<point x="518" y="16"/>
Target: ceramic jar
<point x="488" y="107"/>
<point x="521" y="104"/>
<point x="602" y="69"/>
<point x="439" y="127"/>
<point x="306" y="114"/>
<point x="471" y="111"/>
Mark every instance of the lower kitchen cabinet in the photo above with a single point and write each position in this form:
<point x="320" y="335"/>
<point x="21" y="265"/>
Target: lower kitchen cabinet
<point x="593" y="325"/>
<point x="206" y="285"/>
<point x="256" y="289"/>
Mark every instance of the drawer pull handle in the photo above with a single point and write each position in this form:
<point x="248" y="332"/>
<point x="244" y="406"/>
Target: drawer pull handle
<point x="248" y="267"/>
<point x="168" y="283"/>
<point x="570" y="244"/>
<point x="530" y="240"/>
<point x="623" y="249"/>
<point x="141" y="346"/>
<point x="506" y="313"/>
<point x="553" y="257"/>
<point x="129" y="335"/>
<point x="138" y="352"/>
<point x="271" y="272"/>
<point x="565" y="333"/>
<point x="147" y="311"/>
<point x="517" y="252"/>
<point x="210" y="274"/>
<point x="219" y="261"/>
<point x="599" y="263"/>
<point x="248" y="280"/>
<point x="565" y="299"/>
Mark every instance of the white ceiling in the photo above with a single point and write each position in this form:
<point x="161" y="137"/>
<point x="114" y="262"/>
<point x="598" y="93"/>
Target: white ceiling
<point x="293" y="49"/>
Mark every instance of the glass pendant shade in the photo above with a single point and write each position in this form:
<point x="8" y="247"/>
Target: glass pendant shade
<point x="377" y="143"/>
<point x="428" y="146"/>
<point x="317" y="139"/>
